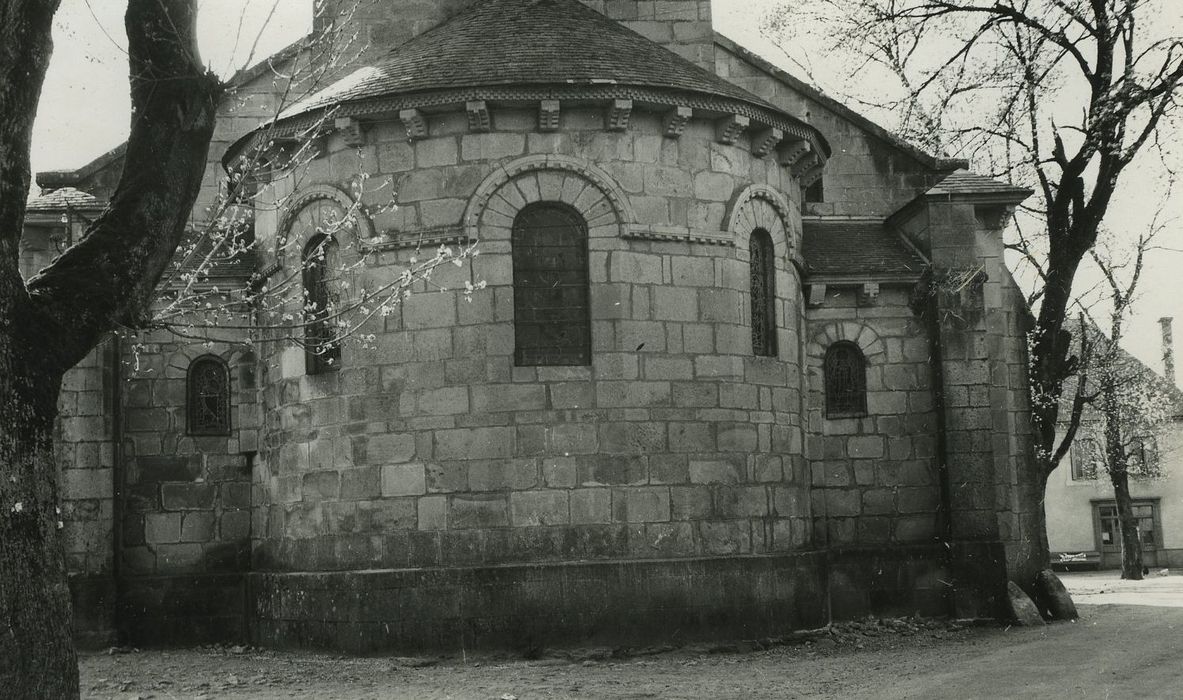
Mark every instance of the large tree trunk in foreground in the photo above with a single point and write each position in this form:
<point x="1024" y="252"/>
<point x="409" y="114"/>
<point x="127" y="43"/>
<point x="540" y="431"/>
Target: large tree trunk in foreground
<point x="106" y="280"/>
<point x="36" y="649"/>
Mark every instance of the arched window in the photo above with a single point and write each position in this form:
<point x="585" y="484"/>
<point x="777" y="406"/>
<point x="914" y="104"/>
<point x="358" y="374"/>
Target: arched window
<point x="321" y="265"/>
<point x="552" y="317"/>
<point x="208" y="397"/>
<point x="763" y="293"/>
<point x="846" y="380"/>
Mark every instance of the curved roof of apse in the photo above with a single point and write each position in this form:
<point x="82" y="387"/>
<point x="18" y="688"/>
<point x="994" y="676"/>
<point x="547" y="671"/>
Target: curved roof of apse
<point x="535" y="49"/>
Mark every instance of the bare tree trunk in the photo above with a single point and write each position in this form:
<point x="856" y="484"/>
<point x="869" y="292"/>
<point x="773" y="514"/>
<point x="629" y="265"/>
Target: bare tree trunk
<point x="1115" y="462"/>
<point x="1131" y="542"/>
<point x="37" y="657"/>
<point x="105" y="280"/>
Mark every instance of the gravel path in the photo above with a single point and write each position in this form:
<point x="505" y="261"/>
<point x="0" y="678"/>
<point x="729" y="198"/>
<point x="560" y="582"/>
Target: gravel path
<point x="1114" y="651"/>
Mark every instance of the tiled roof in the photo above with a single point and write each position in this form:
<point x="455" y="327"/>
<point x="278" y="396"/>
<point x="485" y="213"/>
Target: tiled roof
<point x="526" y="43"/>
<point x="1126" y="367"/>
<point x="216" y="266"/>
<point x="852" y="248"/>
<point x="62" y="198"/>
<point x="964" y="182"/>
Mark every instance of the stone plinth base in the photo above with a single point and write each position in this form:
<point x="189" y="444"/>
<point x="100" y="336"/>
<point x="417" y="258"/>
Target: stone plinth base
<point x="524" y="607"/>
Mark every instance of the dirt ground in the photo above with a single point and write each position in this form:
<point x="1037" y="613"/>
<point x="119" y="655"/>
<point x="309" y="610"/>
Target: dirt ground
<point x="1118" y="649"/>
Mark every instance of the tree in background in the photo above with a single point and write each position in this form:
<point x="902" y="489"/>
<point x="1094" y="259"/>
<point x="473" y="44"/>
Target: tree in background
<point x="1058" y="95"/>
<point x="1131" y="402"/>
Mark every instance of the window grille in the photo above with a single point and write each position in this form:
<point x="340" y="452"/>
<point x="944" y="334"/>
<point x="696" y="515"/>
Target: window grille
<point x="845" y="380"/>
<point x="763" y="294"/>
<point x="208" y="397"/>
<point x="552" y="315"/>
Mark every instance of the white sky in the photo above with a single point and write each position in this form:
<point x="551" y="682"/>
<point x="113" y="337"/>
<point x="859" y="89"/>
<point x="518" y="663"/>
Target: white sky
<point x="84" y="110"/>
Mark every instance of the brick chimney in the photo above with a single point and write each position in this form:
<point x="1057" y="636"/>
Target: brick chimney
<point x="682" y="26"/>
<point x="1168" y="348"/>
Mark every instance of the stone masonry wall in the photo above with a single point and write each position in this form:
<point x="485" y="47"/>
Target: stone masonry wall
<point x="187" y="503"/>
<point x="874" y="478"/>
<point x="866" y="175"/>
<point x="432" y="448"/>
<point x="682" y="26"/>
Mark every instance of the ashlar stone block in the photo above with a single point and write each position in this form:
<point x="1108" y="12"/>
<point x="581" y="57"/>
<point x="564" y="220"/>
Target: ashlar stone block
<point x="643" y="504"/>
<point x="390" y="449"/>
<point x="530" y="508"/>
<point x="590" y="506"/>
<point x="478" y="511"/>
<point x="403" y="480"/>
<point x="715" y="471"/>
<point x="160" y="528"/>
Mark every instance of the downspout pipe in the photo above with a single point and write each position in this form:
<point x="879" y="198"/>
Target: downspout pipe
<point x="117" y="477"/>
<point x="931" y="311"/>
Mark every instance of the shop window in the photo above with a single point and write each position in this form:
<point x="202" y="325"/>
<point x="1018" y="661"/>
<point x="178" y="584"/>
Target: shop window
<point x="1109" y="528"/>
<point x="552" y="315"/>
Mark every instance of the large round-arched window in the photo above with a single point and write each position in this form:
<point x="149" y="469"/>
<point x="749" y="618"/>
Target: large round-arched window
<point x="552" y="316"/>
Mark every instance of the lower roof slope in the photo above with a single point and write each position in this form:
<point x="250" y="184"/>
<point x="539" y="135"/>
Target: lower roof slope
<point x="851" y="248"/>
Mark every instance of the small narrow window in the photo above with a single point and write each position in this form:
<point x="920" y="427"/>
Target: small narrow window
<point x="322" y="347"/>
<point x="846" y="381"/>
<point x="763" y="294"/>
<point x="208" y="397"/>
<point x="552" y="315"/>
<point x="1085" y="457"/>
<point x="815" y="193"/>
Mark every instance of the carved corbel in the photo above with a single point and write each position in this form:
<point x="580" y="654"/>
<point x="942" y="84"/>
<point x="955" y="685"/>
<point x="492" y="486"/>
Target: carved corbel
<point x="811" y="176"/>
<point x="869" y="294"/>
<point x="792" y="151"/>
<point x="548" y="115"/>
<point x="478" y="116"/>
<point x="676" y="120"/>
<point x="351" y="131"/>
<point x="619" y="112"/>
<point x="764" y="141"/>
<point x="728" y="129"/>
<point x="415" y="124"/>
<point x="804" y="164"/>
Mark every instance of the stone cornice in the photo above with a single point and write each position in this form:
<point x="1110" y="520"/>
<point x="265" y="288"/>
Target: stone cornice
<point x="754" y="117"/>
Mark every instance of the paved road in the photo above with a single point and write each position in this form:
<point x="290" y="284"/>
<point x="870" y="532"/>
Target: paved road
<point x="1114" y="651"/>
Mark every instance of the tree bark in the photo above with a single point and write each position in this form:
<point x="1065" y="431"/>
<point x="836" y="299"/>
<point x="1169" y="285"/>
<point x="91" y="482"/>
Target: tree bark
<point x="106" y="280"/>
<point x="1131" y="541"/>
<point x="1115" y="462"/>
<point x="37" y="658"/>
